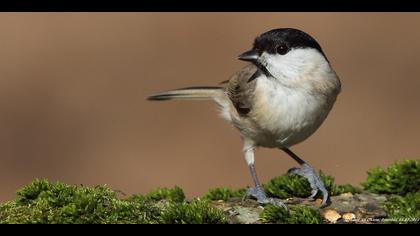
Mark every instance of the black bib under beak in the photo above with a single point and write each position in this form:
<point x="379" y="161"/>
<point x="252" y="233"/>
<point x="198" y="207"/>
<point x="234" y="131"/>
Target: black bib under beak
<point x="251" y="55"/>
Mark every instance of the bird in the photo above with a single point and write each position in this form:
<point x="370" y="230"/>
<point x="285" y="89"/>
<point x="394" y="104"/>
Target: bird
<point x="279" y="99"/>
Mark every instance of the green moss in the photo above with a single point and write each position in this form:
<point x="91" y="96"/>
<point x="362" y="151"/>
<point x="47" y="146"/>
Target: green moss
<point x="175" y="194"/>
<point x="296" y="215"/>
<point x="403" y="209"/>
<point x="44" y="202"/>
<point x="223" y="194"/>
<point x="292" y="185"/>
<point x="399" y="178"/>
<point x="195" y="212"/>
<point x="286" y="186"/>
<point x="346" y="188"/>
<point x="33" y="190"/>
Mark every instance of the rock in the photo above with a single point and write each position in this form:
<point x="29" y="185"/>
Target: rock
<point x="247" y="215"/>
<point x="360" y="208"/>
<point x="363" y="205"/>
<point x="240" y="212"/>
<point x="349" y="216"/>
<point x="331" y="215"/>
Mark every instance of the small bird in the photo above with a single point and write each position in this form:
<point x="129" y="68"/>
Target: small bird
<point x="278" y="100"/>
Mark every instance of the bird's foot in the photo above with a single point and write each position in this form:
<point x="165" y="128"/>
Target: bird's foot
<point x="262" y="198"/>
<point x="316" y="184"/>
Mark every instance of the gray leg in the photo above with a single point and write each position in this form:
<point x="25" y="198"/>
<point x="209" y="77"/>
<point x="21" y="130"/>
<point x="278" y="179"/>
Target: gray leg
<point x="310" y="174"/>
<point x="258" y="191"/>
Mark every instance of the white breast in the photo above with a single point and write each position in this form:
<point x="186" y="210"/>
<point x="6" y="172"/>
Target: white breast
<point x="286" y="116"/>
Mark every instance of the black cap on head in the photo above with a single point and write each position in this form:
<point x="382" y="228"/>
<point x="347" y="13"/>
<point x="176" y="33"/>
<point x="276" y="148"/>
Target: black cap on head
<point x="289" y="38"/>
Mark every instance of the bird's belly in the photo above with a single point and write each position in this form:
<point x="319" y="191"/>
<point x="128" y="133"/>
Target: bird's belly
<point x="286" y="117"/>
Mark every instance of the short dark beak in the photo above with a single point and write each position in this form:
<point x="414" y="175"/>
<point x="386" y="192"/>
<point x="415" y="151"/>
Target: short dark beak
<point x="251" y="55"/>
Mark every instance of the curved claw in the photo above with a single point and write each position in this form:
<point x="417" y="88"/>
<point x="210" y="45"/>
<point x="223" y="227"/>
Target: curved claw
<point x="294" y="170"/>
<point x="316" y="183"/>
<point x="261" y="197"/>
<point x="313" y="194"/>
<point x="325" y="196"/>
<point x="277" y="203"/>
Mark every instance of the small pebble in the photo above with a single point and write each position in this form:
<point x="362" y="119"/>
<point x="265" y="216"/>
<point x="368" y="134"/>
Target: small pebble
<point x="332" y="216"/>
<point x="347" y="195"/>
<point x="349" y="216"/>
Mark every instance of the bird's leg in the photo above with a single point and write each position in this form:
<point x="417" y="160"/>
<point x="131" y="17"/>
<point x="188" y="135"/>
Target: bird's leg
<point x="258" y="191"/>
<point x="310" y="174"/>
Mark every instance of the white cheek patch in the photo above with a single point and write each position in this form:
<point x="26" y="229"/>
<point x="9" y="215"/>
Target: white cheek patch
<point x="296" y="63"/>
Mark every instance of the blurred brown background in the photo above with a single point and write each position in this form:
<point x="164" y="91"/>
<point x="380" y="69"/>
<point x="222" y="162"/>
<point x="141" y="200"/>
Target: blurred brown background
<point x="73" y="89"/>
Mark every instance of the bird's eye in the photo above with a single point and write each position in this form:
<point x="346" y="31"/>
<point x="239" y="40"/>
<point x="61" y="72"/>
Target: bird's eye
<point x="282" y="49"/>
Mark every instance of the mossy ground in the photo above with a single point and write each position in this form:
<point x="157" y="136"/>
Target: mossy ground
<point x="399" y="178"/>
<point x="223" y="194"/>
<point x="402" y="181"/>
<point x="292" y="185"/>
<point x="404" y="209"/>
<point x="46" y="202"/>
<point x="295" y="215"/>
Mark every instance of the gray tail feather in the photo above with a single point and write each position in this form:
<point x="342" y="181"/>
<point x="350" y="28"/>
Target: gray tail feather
<point x="190" y="93"/>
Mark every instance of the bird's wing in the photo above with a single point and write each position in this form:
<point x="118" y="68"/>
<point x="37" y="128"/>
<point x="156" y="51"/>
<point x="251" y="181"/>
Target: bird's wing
<point x="240" y="88"/>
